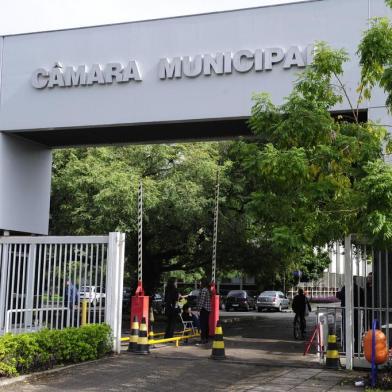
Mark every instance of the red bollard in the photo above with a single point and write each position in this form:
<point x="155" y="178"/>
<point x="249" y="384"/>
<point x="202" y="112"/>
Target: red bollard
<point x="140" y="304"/>
<point x="214" y="314"/>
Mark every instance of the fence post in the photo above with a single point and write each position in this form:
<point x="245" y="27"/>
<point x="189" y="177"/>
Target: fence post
<point x="3" y="282"/>
<point x="29" y="304"/>
<point x="349" y="303"/>
<point x="114" y="286"/>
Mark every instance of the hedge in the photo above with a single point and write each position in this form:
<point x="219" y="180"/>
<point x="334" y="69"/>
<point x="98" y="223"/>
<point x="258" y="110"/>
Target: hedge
<point x="42" y="350"/>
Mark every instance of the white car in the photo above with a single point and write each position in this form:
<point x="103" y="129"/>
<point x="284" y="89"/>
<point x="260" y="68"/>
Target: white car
<point x="92" y="293"/>
<point x="272" y="300"/>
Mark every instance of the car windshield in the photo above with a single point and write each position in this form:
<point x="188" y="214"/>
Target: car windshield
<point x="86" y="289"/>
<point x="268" y="294"/>
<point x="237" y="294"/>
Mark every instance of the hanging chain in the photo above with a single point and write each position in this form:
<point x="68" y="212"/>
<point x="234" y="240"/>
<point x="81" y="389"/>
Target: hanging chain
<point x="215" y="236"/>
<point x="140" y="232"/>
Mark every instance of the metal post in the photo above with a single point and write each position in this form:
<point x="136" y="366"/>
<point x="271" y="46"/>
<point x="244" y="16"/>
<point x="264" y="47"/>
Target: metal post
<point x="30" y="285"/>
<point x="140" y="233"/>
<point x="349" y="303"/>
<point x="215" y="235"/>
<point x="115" y="271"/>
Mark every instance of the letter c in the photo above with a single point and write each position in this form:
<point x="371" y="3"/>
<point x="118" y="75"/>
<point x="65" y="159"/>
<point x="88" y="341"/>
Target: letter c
<point x="39" y="79"/>
<point x="243" y="61"/>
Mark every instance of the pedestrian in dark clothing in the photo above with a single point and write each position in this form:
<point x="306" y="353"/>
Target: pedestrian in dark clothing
<point x="171" y="307"/>
<point x="300" y="307"/>
<point x="204" y="307"/>
<point x="359" y="300"/>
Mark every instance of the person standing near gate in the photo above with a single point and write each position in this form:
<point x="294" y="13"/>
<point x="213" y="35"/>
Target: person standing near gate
<point x="171" y="306"/>
<point x="301" y="307"/>
<point x="204" y="307"/>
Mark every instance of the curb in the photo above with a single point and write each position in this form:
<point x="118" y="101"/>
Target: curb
<point x="36" y="375"/>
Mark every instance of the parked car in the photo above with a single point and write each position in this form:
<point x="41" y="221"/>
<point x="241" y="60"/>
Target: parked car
<point x="239" y="300"/>
<point x="272" y="300"/>
<point x="92" y="293"/>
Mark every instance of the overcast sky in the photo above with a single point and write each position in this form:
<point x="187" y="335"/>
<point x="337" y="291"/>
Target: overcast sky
<point x="23" y="16"/>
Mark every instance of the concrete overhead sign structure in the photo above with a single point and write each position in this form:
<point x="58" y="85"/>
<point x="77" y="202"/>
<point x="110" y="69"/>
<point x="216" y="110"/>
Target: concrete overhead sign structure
<point x="172" y="79"/>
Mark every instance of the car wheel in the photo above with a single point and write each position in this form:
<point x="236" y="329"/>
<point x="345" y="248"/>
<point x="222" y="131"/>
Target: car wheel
<point x="280" y="308"/>
<point x="259" y="310"/>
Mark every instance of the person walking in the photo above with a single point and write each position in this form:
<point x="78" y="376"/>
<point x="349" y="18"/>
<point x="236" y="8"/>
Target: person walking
<point x="204" y="307"/>
<point x="171" y="306"/>
<point x="301" y="306"/>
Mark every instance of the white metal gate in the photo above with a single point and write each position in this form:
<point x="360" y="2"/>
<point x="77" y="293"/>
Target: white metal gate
<point x="45" y="280"/>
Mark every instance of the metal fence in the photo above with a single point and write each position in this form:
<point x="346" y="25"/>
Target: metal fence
<point x="363" y="299"/>
<point x="45" y="280"/>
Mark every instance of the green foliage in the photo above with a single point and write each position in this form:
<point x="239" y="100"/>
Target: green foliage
<point x="24" y="353"/>
<point x="94" y="191"/>
<point x="375" y="52"/>
<point x="311" y="178"/>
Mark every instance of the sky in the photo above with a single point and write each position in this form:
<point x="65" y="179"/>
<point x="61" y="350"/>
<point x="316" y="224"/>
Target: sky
<point x="25" y="16"/>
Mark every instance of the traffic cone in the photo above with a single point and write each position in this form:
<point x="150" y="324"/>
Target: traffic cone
<point x="142" y="342"/>
<point x="134" y="335"/>
<point x="332" y="358"/>
<point x="218" y="346"/>
<point x="151" y="335"/>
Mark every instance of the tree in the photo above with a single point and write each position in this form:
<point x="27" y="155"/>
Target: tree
<point x="312" y="177"/>
<point x="95" y="191"/>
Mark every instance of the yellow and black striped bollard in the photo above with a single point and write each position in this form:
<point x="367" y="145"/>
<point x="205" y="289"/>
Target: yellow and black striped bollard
<point x="142" y="342"/>
<point x="332" y="358"/>
<point x="218" y="346"/>
<point x="134" y="335"/>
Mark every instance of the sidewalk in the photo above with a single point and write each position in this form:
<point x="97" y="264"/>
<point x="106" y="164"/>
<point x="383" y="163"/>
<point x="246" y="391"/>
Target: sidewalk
<point x="130" y="372"/>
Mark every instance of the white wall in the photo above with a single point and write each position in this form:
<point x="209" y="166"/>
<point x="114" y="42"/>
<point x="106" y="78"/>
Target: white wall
<point x="25" y="173"/>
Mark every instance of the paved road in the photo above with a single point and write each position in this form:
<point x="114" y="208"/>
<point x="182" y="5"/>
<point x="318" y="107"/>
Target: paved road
<point x="262" y="356"/>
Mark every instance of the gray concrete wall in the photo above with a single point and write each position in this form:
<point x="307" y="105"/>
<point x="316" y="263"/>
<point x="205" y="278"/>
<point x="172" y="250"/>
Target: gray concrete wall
<point x="25" y="174"/>
<point x="339" y="22"/>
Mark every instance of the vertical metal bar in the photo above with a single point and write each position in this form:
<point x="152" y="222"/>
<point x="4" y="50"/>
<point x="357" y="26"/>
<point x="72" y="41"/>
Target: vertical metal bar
<point x="14" y="262"/>
<point x="86" y="275"/>
<point x="23" y="294"/>
<point x="29" y="303"/>
<point x="90" y="261"/>
<point x="379" y="301"/>
<point x="4" y="262"/>
<point x="215" y="234"/>
<point x="58" y="315"/>
<point x="80" y="283"/>
<point x="140" y="233"/>
<point x="7" y="258"/>
<point x="366" y="319"/>
<point x="103" y="267"/>
<point x="387" y="295"/>
<point x="17" y="314"/>
<point x="52" y="307"/>
<point x="348" y="269"/>
<point x="64" y="280"/>
<point x="38" y="303"/>
<point x="73" y="281"/>
<point x="48" y="287"/>
<point x="99" y="292"/>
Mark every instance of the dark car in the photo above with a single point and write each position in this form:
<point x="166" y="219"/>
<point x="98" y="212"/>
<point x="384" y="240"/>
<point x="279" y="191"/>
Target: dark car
<point x="239" y="300"/>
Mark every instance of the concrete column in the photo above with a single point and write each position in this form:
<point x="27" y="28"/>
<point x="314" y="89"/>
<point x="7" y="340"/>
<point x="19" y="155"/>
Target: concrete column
<point x="25" y="176"/>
